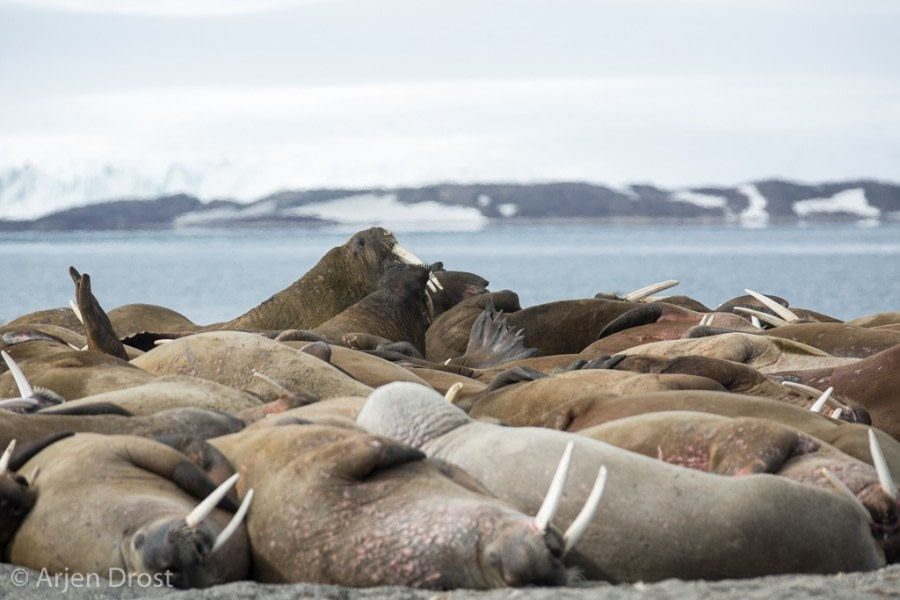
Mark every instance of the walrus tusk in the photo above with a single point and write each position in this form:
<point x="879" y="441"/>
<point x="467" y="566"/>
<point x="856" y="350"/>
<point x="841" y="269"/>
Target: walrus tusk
<point x="641" y="293"/>
<point x="234" y="523"/>
<point x="782" y="311"/>
<point x="7" y="454"/>
<point x="25" y="390"/>
<point x="761" y="316"/>
<point x="204" y="509"/>
<point x="815" y="393"/>
<point x="842" y="488"/>
<point x="77" y="311"/>
<point x="275" y="385"/>
<point x="551" y="501"/>
<point x="754" y="320"/>
<point x="819" y="404"/>
<point x="411" y="259"/>
<point x="584" y="518"/>
<point x="453" y="392"/>
<point x="881" y="467"/>
<point x="836" y="413"/>
<point x="19" y="403"/>
<point x="705" y="320"/>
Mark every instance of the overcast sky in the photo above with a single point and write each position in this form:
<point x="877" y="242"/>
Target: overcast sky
<point x="387" y="92"/>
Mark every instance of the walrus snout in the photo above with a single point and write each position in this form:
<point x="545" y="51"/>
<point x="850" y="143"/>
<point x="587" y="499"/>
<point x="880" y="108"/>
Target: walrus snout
<point x="525" y="556"/>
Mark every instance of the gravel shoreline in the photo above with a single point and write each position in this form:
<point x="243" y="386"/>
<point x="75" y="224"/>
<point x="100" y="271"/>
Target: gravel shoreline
<point x="884" y="583"/>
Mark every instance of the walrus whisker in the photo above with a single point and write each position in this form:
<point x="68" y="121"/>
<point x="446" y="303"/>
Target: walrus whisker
<point x="453" y="392"/>
<point x="551" y="501"/>
<point x="881" y="467"/>
<point x="77" y="311"/>
<point x="842" y="488"/>
<point x="782" y="311"/>
<point x="234" y="523"/>
<point x="819" y="404"/>
<point x="647" y="290"/>
<point x="7" y="455"/>
<point x="206" y="507"/>
<point x="584" y="518"/>
<point x="25" y="389"/>
<point x="761" y="316"/>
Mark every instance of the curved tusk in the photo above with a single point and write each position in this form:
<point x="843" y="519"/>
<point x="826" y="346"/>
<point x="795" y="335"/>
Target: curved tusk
<point x="203" y="509"/>
<point x="409" y="258"/>
<point x="782" y="311"/>
<point x="453" y="392"/>
<point x="842" y="488"/>
<point x="584" y="518"/>
<point x="275" y="385"/>
<point x="819" y="404"/>
<point x="7" y="455"/>
<point x="761" y="316"/>
<point x="77" y="311"/>
<point x="234" y="523"/>
<point x="881" y="467"/>
<point x="25" y="390"/>
<point x="641" y="293"/>
<point x="19" y="403"/>
<point x="551" y="501"/>
<point x="815" y="393"/>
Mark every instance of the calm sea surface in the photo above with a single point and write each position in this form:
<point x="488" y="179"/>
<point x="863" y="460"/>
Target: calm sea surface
<point x="838" y="269"/>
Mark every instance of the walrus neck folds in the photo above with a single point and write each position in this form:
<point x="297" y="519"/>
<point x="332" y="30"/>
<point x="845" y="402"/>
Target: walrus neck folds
<point x="409" y="413"/>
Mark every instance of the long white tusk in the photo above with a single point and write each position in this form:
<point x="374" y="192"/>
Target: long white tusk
<point x="453" y="392"/>
<point x="782" y="311"/>
<point x="881" y="467"/>
<point x="25" y="390"/>
<point x="411" y="259"/>
<point x="234" y="523"/>
<point x="836" y="413"/>
<point x="7" y="454"/>
<point x="551" y="501"/>
<point x="704" y="321"/>
<point x="842" y="488"/>
<point x="819" y="404"/>
<point x="754" y="320"/>
<point x="815" y="393"/>
<point x="275" y="385"/>
<point x="19" y="403"/>
<point x="204" y="509"/>
<point x="584" y="518"/>
<point x="647" y="290"/>
<point x="761" y="316"/>
<point x="77" y="311"/>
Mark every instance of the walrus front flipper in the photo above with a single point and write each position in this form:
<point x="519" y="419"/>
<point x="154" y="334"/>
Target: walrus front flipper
<point x="358" y="457"/>
<point x="25" y="452"/>
<point x="203" y="454"/>
<point x="493" y="342"/>
<point x="97" y="408"/>
<point x="747" y="446"/>
<point x="180" y="470"/>
<point x="97" y="327"/>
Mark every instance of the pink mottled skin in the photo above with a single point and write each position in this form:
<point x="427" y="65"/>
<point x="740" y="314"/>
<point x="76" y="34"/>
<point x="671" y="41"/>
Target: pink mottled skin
<point x="336" y="506"/>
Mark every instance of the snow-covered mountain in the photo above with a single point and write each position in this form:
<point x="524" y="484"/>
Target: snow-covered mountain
<point x="126" y="198"/>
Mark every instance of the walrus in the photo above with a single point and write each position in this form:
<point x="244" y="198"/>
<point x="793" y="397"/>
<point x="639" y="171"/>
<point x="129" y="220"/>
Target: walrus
<point x="656" y="520"/>
<point x="341" y="507"/>
<point x="741" y="446"/>
<point x="101" y="337"/>
<point x="341" y="278"/>
<point x="455" y="286"/>
<point x="871" y="382"/>
<point x="232" y="357"/>
<point x="128" y="504"/>
<point x="839" y="339"/>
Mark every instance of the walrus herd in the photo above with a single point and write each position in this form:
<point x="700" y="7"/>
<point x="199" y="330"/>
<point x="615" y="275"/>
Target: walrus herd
<point x="387" y="422"/>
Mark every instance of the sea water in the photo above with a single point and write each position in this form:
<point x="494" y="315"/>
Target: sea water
<point x="842" y="270"/>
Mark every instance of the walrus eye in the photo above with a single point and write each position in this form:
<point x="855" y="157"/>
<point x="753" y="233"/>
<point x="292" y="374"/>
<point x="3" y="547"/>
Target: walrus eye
<point x="138" y="541"/>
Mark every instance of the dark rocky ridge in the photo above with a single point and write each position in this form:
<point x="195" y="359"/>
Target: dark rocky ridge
<point x="511" y="203"/>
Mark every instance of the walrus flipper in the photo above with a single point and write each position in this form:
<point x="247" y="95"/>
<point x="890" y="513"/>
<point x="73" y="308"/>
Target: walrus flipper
<point x="764" y="447"/>
<point x="97" y="327"/>
<point x="493" y="342"/>
<point x="359" y="457"/>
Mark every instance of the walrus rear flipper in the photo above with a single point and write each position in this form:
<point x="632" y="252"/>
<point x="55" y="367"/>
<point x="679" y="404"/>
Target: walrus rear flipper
<point x="748" y="446"/>
<point x="641" y="315"/>
<point x="97" y="327"/>
<point x="360" y="456"/>
<point x="493" y="342"/>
